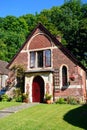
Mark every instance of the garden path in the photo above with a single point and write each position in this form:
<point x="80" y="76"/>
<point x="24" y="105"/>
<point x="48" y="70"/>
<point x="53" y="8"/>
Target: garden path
<point x="8" y="111"/>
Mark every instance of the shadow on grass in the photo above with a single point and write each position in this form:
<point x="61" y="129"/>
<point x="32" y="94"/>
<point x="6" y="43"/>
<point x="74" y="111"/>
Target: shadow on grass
<point x="77" y="117"/>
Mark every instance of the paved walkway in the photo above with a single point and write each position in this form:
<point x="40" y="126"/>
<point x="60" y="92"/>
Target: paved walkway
<point x="14" y="109"/>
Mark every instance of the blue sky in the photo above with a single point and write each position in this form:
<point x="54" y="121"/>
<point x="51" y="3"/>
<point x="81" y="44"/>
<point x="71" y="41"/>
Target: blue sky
<point x="22" y="7"/>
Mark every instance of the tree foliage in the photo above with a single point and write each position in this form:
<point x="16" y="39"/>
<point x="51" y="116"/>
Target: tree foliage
<point x="68" y="20"/>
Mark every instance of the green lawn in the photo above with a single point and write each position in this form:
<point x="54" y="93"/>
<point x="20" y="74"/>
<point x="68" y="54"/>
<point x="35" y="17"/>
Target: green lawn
<point x="8" y="104"/>
<point x="47" y="117"/>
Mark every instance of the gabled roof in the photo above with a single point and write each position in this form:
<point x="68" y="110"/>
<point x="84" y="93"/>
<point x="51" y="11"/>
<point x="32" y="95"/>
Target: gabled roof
<point x="57" y="43"/>
<point x="3" y="69"/>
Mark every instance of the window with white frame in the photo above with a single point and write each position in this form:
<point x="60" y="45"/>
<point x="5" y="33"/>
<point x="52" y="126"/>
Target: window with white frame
<point x="40" y="59"/>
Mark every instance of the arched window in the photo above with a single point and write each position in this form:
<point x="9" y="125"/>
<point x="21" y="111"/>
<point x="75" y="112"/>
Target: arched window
<point x="64" y="76"/>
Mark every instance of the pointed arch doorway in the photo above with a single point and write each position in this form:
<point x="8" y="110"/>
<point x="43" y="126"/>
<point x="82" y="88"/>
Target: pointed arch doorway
<point x="38" y="89"/>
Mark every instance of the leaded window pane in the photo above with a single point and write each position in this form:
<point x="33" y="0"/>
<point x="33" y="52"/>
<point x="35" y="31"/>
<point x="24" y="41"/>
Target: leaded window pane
<point x="40" y="58"/>
<point x="32" y="59"/>
<point x="47" y="58"/>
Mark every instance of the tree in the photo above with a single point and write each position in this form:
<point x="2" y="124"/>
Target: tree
<point x="81" y="41"/>
<point x="30" y="21"/>
<point x="69" y="19"/>
<point x="13" y="41"/>
<point x="3" y="52"/>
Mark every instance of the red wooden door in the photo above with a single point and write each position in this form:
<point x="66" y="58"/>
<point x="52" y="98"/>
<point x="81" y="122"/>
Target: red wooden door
<point x="38" y="89"/>
<point x="36" y="92"/>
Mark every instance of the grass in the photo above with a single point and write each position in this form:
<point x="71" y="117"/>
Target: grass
<point x="8" y="104"/>
<point x="47" y="117"/>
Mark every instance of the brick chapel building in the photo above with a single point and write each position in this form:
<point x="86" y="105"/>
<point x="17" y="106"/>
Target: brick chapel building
<point x="50" y="67"/>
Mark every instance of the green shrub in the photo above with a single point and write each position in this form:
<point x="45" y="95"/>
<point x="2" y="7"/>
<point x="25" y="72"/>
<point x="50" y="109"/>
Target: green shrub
<point x="17" y="92"/>
<point x="24" y="96"/>
<point x="48" y="96"/>
<point x="19" y="98"/>
<point x="72" y="100"/>
<point x="17" y="95"/>
<point x="4" y="98"/>
<point x="9" y="99"/>
<point x="61" y="101"/>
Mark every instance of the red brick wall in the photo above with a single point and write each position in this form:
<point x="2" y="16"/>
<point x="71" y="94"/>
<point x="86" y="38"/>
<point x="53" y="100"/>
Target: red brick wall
<point x="21" y="59"/>
<point x="27" y="43"/>
<point x="69" y="92"/>
<point x="39" y="41"/>
<point x="59" y="58"/>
